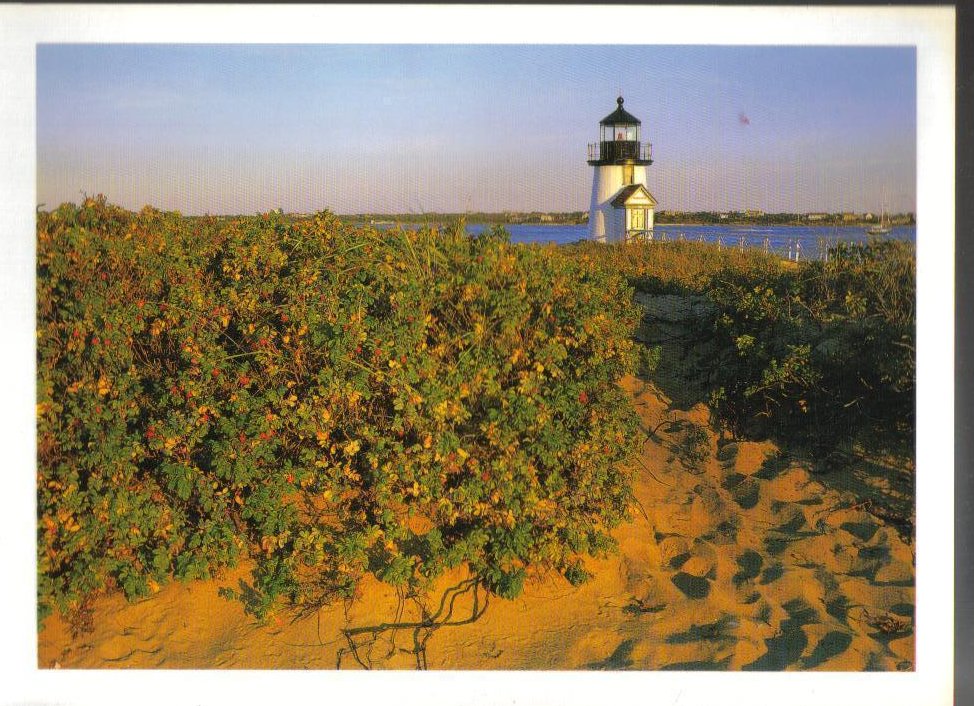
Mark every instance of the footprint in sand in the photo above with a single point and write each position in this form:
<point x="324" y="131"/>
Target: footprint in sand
<point x="786" y="647"/>
<point x="621" y="658"/>
<point x="750" y="563"/>
<point x="721" y="632"/>
<point x="696" y="567"/>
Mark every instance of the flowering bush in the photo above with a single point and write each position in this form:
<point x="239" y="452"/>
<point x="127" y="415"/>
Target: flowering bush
<point x="332" y="401"/>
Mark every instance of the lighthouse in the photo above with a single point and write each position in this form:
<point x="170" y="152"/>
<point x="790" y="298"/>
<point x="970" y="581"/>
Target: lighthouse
<point x="622" y="208"/>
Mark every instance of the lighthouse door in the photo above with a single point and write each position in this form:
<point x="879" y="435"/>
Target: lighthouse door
<point x="637" y="219"/>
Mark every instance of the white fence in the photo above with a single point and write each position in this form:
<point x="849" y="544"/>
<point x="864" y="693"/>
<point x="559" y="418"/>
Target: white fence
<point x="794" y="249"/>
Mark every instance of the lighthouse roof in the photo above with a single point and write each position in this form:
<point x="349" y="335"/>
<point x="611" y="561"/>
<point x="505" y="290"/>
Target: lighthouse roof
<point x="633" y="194"/>
<point x="620" y="116"/>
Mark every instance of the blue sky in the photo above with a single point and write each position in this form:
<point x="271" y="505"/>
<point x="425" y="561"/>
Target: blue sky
<point x="400" y="128"/>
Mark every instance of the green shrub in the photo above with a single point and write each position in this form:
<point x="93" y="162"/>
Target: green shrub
<point x="822" y="353"/>
<point x="119" y="501"/>
<point x="332" y="401"/>
<point x="676" y="267"/>
<point x="815" y="352"/>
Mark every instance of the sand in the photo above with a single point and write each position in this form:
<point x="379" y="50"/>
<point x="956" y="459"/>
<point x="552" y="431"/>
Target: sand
<point x="744" y="560"/>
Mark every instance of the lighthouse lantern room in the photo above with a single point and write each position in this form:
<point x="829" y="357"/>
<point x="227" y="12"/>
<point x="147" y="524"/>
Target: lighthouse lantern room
<point x="622" y="207"/>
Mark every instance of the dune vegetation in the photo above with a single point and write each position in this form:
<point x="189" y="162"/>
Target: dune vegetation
<point x="403" y="426"/>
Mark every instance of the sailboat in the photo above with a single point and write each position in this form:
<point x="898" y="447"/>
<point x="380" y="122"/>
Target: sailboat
<point x="883" y="227"/>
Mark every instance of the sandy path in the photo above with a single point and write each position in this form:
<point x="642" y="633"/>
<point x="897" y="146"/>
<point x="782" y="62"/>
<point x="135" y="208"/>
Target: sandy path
<point x="742" y="561"/>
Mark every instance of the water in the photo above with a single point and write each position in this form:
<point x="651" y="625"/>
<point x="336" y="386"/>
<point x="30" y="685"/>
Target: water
<point x="708" y="233"/>
<point x="793" y="242"/>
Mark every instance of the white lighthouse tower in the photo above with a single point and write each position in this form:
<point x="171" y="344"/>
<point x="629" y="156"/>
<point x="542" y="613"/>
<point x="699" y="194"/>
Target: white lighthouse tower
<point x="622" y="207"/>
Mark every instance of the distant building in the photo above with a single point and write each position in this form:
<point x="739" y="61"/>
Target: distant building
<point x="753" y="213"/>
<point x="547" y="218"/>
<point x="723" y="216"/>
<point x="817" y="216"/>
<point x="846" y="217"/>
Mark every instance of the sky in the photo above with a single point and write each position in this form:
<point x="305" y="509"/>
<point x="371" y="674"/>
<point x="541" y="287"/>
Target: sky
<point x="418" y="128"/>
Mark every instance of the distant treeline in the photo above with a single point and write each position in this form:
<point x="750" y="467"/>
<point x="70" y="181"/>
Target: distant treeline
<point x="581" y="218"/>
<point x="761" y="218"/>
<point x="662" y="217"/>
<point x="506" y="217"/>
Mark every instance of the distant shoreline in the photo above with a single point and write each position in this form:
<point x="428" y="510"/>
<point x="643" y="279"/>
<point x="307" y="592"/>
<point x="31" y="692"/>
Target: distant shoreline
<point x="574" y="219"/>
<point x="779" y="225"/>
<point x="734" y="224"/>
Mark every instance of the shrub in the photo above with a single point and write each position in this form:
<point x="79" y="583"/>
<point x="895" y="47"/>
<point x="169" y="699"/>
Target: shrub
<point x="469" y="413"/>
<point x="818" y="353"/>
<point x="333" y="401"/>
<point x="119" y="503"/>
<point x="822" y="353"/>
<point x="676" y="267"/>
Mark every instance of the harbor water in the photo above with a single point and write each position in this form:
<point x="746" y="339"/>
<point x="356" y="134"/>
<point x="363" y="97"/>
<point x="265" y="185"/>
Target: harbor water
<point x="793" y="242"/>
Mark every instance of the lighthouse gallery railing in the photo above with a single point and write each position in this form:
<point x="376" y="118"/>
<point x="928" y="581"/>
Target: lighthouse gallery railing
<point x="621" y="150"/>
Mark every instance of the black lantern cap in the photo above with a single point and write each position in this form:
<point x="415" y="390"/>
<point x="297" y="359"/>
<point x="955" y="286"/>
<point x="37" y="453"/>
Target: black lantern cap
<point x="620" y="116"/>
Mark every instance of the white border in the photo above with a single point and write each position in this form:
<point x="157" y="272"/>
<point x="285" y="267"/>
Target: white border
<point x="930" y="30"/>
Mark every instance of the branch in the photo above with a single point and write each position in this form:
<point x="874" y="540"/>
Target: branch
<point x="423" y="629"/>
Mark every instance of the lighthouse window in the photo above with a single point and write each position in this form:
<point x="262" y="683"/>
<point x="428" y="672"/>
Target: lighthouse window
<point x="627" y="174"/>
<point x="624" y="133"/>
